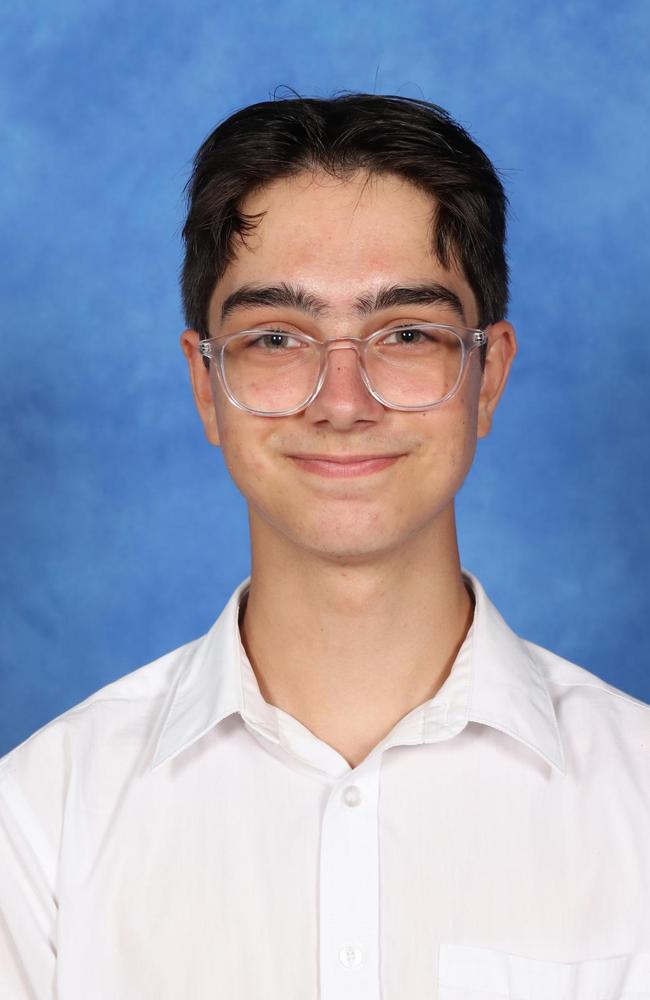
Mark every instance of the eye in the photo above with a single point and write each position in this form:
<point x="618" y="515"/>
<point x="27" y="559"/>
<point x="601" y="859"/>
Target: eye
<point x="274" y="340"/>
<point x="412" y="334"/>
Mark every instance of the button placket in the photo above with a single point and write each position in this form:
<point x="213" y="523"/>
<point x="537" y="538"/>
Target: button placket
<point x="349" y="887"/>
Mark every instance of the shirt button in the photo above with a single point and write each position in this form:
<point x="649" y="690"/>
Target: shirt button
<point x="351" y="956"/>
<point x="352" y="795"/>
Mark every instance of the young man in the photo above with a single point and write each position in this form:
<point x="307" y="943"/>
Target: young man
<point x="360" y="783"/>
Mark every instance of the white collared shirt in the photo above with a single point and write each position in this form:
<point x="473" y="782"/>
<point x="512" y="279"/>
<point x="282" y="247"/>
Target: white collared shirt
<point x="176" y="837"/>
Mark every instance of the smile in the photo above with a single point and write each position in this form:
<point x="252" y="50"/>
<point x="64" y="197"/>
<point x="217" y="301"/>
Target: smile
<point x="346" y="466"/>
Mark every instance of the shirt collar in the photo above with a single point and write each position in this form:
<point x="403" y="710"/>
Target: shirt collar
<point x="495" y="681"/>
<point x="509" y="690"/>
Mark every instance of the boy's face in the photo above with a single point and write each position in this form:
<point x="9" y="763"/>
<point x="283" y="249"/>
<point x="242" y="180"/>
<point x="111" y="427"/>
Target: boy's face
<point x="340" y="240"/>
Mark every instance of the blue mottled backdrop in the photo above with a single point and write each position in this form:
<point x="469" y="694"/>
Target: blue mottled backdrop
<point x="122" y="535"/>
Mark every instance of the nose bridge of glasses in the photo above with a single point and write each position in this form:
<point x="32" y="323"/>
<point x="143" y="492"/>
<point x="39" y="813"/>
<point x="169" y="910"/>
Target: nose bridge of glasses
<point x="343" y="344"/>
<point x="358" y="366"/>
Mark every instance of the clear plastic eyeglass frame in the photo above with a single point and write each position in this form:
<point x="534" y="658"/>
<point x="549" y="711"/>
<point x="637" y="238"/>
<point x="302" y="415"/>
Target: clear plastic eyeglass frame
<point x="213" y="348"/>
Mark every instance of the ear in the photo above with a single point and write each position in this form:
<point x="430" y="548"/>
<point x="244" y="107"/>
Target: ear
<point x="201" y="384"/>
<point x="502" y="348"/>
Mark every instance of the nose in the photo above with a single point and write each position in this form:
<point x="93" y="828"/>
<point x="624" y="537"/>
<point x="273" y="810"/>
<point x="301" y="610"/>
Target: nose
<point x="344" y="398"/>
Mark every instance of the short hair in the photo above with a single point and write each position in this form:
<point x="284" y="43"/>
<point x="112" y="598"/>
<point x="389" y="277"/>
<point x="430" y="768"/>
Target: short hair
<point x="379" y="134"/>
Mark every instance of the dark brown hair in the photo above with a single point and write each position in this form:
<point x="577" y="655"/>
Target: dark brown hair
<point x="413" y="139"/>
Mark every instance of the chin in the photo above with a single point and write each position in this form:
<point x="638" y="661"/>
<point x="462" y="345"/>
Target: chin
<point x="350" y="544"/>
<point x="350" y="533"/>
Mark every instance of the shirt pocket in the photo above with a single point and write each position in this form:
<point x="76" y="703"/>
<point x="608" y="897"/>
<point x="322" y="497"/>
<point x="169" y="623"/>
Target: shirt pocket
<point x="466" y="973"/>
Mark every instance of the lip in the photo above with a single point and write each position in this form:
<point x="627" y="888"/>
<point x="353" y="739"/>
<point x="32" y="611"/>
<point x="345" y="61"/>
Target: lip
<point x="344" y="465"/>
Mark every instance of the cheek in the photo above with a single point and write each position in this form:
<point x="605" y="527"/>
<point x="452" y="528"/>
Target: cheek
<point x="450" y="437"/>
<point x="466" y="412"/>
<point x="242" y="459"/>
<point x="242" y="447"/>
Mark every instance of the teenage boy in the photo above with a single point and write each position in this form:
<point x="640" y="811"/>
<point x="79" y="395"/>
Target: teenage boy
<point x="360" y="783"/>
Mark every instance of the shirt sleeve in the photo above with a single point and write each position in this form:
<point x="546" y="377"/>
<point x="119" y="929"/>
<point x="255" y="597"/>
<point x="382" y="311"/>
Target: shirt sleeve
<point x="28" y="906"/>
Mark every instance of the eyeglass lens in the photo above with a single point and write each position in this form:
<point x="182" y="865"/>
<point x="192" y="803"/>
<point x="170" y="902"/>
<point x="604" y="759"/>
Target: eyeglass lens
<point x="276" y="371"/>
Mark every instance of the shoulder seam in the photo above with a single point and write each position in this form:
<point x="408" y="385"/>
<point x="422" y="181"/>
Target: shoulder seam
<point x="605" y="687"/>
<point x="98" y="697"/>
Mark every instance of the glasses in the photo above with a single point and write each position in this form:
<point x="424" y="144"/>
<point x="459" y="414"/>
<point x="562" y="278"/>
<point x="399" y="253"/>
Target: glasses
<point x="275" y="373"/>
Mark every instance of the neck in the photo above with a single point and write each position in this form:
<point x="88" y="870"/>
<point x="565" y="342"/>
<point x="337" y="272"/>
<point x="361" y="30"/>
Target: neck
<point x="348" y="650"/>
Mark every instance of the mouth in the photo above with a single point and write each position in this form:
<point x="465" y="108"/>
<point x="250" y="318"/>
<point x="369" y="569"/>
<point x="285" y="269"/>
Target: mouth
<point x="344" y="466"/>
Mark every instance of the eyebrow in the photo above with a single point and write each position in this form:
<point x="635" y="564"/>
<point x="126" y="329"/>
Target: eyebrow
<point x="298" y="297"/>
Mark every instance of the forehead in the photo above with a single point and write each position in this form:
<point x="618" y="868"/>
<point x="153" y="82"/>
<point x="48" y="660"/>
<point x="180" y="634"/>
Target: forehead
<point x="340" y="238"/>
